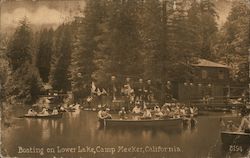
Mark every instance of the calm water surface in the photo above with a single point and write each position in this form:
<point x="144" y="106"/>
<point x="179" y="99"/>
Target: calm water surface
<point x="81" y="129"/>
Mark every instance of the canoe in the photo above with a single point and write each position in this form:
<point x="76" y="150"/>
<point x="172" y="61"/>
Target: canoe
<point x="164" y="123"/>
<point x="51" y="116"/>
<point x="235" y="137"/>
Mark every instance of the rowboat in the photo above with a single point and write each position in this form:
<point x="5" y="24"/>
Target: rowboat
<point x="51" y="116"/>
<point x="192" y="115"/>
<point x="70" y="110"/>
<point x="165" y="123"/>
<point x="235" y="137"/>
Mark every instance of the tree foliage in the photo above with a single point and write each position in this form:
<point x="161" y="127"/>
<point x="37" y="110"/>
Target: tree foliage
<point x="234" y="41"/>
<point x="24" y="82"/>
<point x="153" y="39"/>
<point x="44" y="53"/>
<point x="61" y="58"/>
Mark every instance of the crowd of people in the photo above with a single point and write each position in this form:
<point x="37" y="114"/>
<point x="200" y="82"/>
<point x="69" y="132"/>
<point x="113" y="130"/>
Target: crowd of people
<point x="168" y="110"/>
<point x="44" y="112"/>
<point x="133" y="91"/>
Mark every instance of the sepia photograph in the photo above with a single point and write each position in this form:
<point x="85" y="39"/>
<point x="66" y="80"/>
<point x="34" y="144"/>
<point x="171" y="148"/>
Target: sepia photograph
<point x="125" y="78"/>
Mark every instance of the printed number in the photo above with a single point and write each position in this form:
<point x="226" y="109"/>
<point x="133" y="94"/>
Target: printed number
<point x="235" y="148"/>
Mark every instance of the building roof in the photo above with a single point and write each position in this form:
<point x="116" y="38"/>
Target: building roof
<point x="207" y="63"/>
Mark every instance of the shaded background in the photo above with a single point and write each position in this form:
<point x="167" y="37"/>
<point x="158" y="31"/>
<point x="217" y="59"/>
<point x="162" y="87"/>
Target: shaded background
<point x="52" y="13"/>
<point x="42" y="13"/>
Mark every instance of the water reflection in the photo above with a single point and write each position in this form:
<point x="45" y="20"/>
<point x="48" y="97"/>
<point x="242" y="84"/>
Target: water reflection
<point x="28" y="121"/>
<point x="54" y="124"/>
<point x="74" y="114"/>
<point x="81" y="128"/>
<point x="61" y="128"/>
<point x="45" y="129"/>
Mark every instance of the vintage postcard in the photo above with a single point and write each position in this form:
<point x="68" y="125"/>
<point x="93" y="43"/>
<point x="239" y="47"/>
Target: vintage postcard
<point x="125" y="78"/>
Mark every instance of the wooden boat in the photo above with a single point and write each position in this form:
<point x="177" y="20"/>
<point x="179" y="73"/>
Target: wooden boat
<point x="51" y="116"/>
<point x="70" y="110"/>
<point x="195" y="114"/>
<point x="89" y="109"/>
<point x="235" y="137"/>
<point x="59" y="110"/>
<point x="164" y="123"/>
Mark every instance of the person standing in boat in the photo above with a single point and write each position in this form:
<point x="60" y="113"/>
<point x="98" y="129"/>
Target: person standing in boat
<point x="245" y="124"/>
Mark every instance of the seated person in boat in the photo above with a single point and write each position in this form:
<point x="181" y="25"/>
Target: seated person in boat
<point x="230" y="126"/>
<point x="245" y="124"/>
<point x="31" y="112"/>
<point x="89" y="100"/>
<point x="176" y="112"/>
<point x="165" y="109"/>
<point x="122" y="113"/>
<point x="44" y="112"/>
<point x="191" y="110"/>
<point x="195" y="110"/>
<point x="62" y="108"/>
<point x="136" y="109"/>
<point x="104" y="114"/>
<point x="182" y="112"/>
<point x="146" y="114"/>
<point x="157" y="111"/>
<point x="71" y="106"/>
<point x="77" y="106"/>
<point x="55" y="111"/>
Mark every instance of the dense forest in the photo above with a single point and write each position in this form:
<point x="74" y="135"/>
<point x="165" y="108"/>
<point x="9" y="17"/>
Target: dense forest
<point x="150" y="39"/>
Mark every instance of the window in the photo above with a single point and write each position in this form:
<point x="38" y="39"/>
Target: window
<point x="204" y="74"/>
<point x="221" y="75"/>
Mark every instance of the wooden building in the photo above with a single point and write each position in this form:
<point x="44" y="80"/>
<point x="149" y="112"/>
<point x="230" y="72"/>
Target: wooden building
<point x="209" y="84"/>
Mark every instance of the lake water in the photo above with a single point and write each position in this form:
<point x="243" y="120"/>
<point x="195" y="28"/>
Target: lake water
<point x="78" y="132"/>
